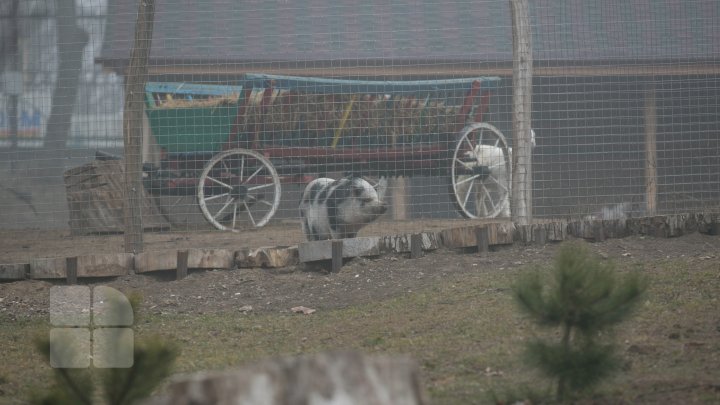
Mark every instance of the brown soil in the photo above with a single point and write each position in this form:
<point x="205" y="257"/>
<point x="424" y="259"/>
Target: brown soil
<point x="366" y="280"/>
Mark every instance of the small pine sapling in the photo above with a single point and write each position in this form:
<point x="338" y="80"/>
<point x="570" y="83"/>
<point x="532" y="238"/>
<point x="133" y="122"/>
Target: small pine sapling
<point x="583" y="297"/>
<point x="152" y="363"/>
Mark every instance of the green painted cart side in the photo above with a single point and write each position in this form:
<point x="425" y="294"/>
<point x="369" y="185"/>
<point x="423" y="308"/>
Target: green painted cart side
<point x="191" y="129"/>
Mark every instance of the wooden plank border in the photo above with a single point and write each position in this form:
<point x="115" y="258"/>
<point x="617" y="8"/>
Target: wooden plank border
<point x="14" y="271"/>
<point x="498" y="233"/>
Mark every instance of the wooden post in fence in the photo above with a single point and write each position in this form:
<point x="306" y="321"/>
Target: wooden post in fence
<point x="132" y="126"/>
<point x="399" y="198"/>
<point x="650" y="150"/>
<point x="337" y="255"/>
<point x="521" y="114"/>
<point x="416" y="248"/>
<point x="71" y="270"/>
<point x="482" y="238"/>
<point x="182" y="264"/>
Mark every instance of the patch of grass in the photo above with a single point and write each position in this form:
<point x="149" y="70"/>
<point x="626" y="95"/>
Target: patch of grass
<point x="22" y="367"/>
<point x="467" y="337"/>
<point x="451" y="330"/>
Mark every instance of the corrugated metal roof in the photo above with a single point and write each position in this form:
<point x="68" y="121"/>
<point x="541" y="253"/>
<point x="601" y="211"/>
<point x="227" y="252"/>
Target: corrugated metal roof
<point x="434" y="32"/>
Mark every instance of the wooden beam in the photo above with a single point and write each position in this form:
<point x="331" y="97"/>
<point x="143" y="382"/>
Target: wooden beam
<point x="466" y="236"/>
<point x="667" y="69"/>
<point x="197" y="259"/>
<point x="521" y="202"/>
<point x="14" y="271"/>
<point x="446" y="69"/>
<point x="151" y="151"/>
<point x="267" y="257"/>
<point x="402" y="243"/>
<point x="133" y="126"/>
<point x="398" y="190"/>
<point x="352" y="247"/>
<point x="650" y="150"/>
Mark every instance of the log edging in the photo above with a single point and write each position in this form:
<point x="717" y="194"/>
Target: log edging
<point x="462" y="237"/>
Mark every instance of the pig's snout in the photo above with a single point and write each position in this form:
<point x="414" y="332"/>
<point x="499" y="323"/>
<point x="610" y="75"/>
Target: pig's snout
<point x="378" y="208"/>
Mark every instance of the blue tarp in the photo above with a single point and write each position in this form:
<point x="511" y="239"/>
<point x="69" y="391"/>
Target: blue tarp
<point x="315" y="85"/>
<point x="339" y="86"/>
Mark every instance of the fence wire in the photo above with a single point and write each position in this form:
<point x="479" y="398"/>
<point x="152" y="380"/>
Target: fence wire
<point x="246" y="103"/>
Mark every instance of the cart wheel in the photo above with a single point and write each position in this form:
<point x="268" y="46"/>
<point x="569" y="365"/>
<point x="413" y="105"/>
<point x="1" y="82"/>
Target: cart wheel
<point x="238" y="188"/>
<point x="480" y="172"/>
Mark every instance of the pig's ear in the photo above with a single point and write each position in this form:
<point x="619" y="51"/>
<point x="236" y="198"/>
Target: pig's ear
<point x="381" y="187"/>
<point x="532" y="138"/>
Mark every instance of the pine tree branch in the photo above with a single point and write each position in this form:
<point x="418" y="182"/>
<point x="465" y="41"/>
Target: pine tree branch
<point x="73" y="387"/>
<point x="129" y="381"/>
<point x="567" y="330"/>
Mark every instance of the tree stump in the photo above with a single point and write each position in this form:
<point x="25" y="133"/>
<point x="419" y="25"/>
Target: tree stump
<point x="325" y="378"/>
<point x="96" y="199"/>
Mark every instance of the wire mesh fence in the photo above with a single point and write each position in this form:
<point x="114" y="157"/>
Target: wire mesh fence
<point x="249" y="105"/>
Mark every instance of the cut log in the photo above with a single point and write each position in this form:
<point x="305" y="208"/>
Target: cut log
<point x="211" y="259"/>
<point x="352" y="247"/>
<point x="501" y="233"/>
<point x="455" y="238"/>
<point x="325" y="378"/>
<point x="465" y="237"/>
<point x="267" y="257"/>
<point x="708" y="223"/>
<point x="666" y="226"/>
<point x="197" y="259"/>
<point x="662" y="226"/>
<point x="555" y="231"/>
<point x="598" y="230"/>
<point x="95" y="199"/>
<point x="155" y="260"/>
<point x="107" y="265"/>
<point x="14" y="271"/>
<point x="48" y="267"/>
<point x="402" y="243"/>
<point x="117" y="264"/>
<point x="615" y="228"/>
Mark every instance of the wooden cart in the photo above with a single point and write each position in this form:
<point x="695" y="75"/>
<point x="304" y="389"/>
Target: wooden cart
<point x="234" y="146"/>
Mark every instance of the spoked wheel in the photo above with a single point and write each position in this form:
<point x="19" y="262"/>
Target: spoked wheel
<point x="238" y="188"/>
<point x="480" y="172"/>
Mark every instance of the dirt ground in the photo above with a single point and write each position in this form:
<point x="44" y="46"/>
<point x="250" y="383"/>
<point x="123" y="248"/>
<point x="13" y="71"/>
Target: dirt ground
<point x="261" y="293"/>
<point x="361" y="280"/>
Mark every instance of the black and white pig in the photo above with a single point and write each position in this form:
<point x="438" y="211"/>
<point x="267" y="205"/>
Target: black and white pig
<point x="337" y="209"/>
